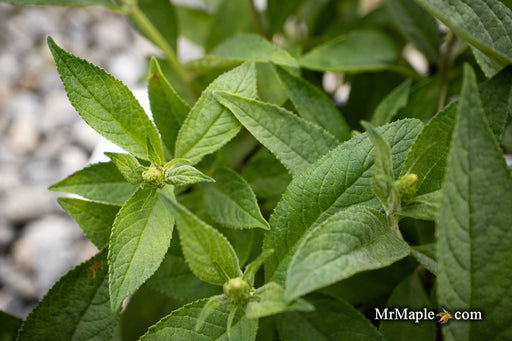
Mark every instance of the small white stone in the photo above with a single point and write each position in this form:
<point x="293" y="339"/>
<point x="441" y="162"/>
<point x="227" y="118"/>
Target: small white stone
<point x="23" y="134"/>
<point x="26" y="203"/>
<point x="48" y="248"/>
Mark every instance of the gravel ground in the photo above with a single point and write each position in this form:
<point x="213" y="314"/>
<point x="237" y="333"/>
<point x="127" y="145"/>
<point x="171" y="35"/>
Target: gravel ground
<point x="42" y="139"/>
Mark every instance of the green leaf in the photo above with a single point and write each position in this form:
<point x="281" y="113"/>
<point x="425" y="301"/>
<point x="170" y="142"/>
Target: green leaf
<point x="194" y="23"/>
<point x="278" y="11"/>
<point x="371" y="286"/>
<point x="426" y="256"/>
<point x="232" y="203"/>
<point x="389" y="106"/>
<point x="152" y="154"/>
<point x="209" y="125"/>
<point x="138" y="315"/>
<point x="77" y="307"/>
<point x="266" y="175"/>
<point x="409" y="294"/>
<point x="94" y="218"/>
<point x="162" y="16"/>
<point x="255" y="48"/>
<point x="417" y="26"/>
<point x="359" y="51"/>
<point x="68" y="3"/>
<point x="383" y="183"/>
<point x="128" y="166"/>
<point x="351" y="241"/>
<point x="425" y="206"/>
<point x="240" y="21"/>
<point x="487" y="65"/>
<point x="486" y="24"/>
<point x="473" y="245"/>
<point x="495" y="95"/>
<point x="207" y="252"/>
<point x="9" y="326"/>
<point x="243" y="241"/>
<point x="185" y="175"/>
<point x="427" y="157"/>
<point x="340" y="179"/>
<point x="174" y="279"/>
<point x="314" y="105"/>
<point x="254" y="266"/>
<point x="332" y="320"/>
<point x="105" y="103"/>
<point x="270" y="88"/>
<point x="140" y="237"/>
<point x="269" y="300"/>
<point x="100" y="181"/>
<point x="169" y="110"/>
<point x="297" y="147"/>
<point x="213" y="303"/>
<point x="181" y="323"/>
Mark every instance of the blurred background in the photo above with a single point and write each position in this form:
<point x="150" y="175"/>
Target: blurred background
<point x="42" y="138"/>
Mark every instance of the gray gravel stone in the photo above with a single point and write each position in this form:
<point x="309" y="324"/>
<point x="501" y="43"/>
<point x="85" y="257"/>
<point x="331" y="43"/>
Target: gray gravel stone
<point x="25" y="203"/>
<point x="48" y="248"/>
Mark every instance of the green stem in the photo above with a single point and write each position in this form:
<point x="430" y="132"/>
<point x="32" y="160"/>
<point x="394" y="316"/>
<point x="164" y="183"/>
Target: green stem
<point x="154" y="35"/>
<point x="394" y="225"/>
<point x="444" y="65"/>
<point x="257" y="20"/>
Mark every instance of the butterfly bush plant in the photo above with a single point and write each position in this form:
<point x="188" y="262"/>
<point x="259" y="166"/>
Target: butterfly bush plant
<point x="256" y="207"/>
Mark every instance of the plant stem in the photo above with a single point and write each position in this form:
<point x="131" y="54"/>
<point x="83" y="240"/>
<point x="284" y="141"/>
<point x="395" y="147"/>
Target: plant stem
<point x="444" y="65"/>
<point x="154" y="35"/>
<point x="257" y="20"/>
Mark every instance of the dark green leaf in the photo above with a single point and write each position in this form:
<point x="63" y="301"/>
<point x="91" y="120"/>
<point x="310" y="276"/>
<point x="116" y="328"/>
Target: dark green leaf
<point x="426" y="256"/>
<point x="105" y="103"/>
<point x="138" y="315"/>
<point x="77" y="307"/>
<point x="409" y="294"/>
<point x="232" y="203"/>
<point x="94" y="218"/>
<point x="140" y="237"/>
<point x="486" y="24"/>
<point x="169" y="110"/>
<point x="297" y="147"/>
<point x="417" y="26"/>
<point x="100" y="181"/>
<point x="207" y="252"/>
<point x="240" y="21"/>
<point x="338" y="180"/>
<point x="209" y="125"/>
<point x="175" y="279"/>
<point x="266" y="175"/>
<point x="495" y="95"/>
<point x="331" y="321"/>
<point x="278" y="11"/>
<point x="162" y="16"/>
<point x="474" y="235"/>
<point x="314" y="105"/>
<point x="9" y="326"/>
<point x="425" y="206"/>
<point x="427" y="158"/>
<point x="351" y="241"/>
<point x="389" y="106"/>
<point x="181" y="323"/>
